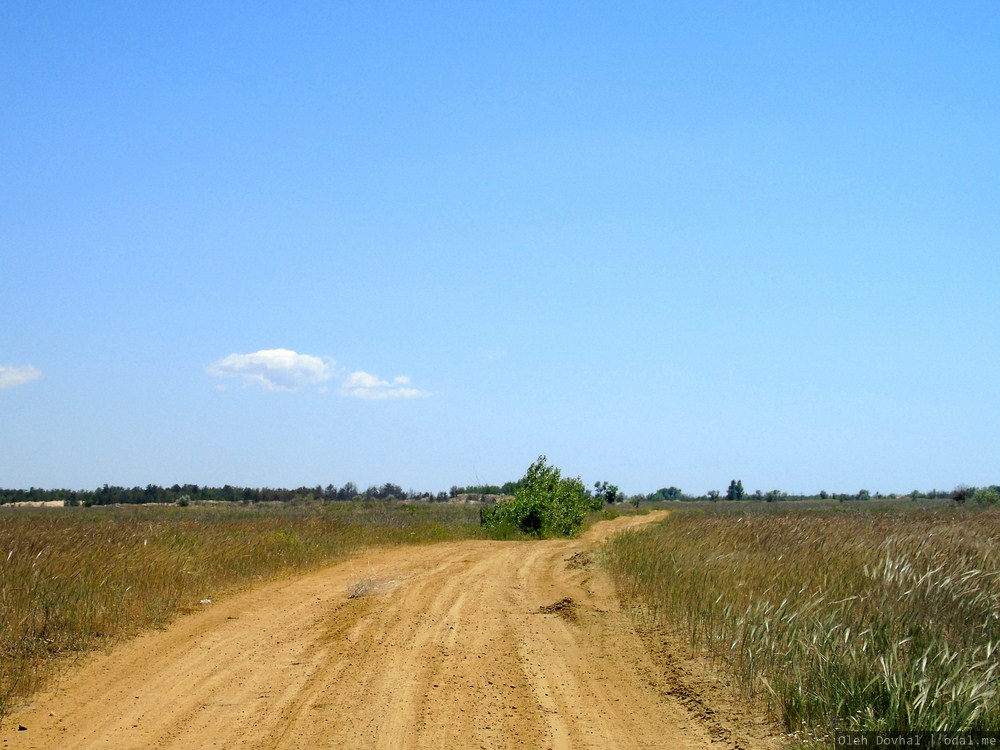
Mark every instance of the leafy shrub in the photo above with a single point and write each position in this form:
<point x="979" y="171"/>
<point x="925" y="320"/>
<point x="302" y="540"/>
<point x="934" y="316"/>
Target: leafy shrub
<point x="987" y="495"/>
<point x="543" y="505"/>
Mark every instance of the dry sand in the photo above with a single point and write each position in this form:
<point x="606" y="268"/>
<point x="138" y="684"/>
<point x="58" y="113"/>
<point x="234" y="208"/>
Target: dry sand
<point x="459" y="645"/>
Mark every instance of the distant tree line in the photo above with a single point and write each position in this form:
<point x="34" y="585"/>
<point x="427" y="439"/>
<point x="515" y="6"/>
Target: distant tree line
<point x="736" y="492"/>
<point x="183" y="494"/>
<point x="606" y="493"/>
<point x="979" y="495"/>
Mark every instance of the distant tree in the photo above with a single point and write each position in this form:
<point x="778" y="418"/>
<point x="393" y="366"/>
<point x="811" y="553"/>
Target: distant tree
<point x="735" y="491"/>
<point x="606" y="493"/>
<point x="153" y="494"/>
<point x="713" y="495"/>
<point x="962" y="493"/>
<point x="987" y="495"/>
<point x="823" y="494"/>
<point x="863" y="495"/>
<point x="390" y="491"/>
<point x="665" y="494"/>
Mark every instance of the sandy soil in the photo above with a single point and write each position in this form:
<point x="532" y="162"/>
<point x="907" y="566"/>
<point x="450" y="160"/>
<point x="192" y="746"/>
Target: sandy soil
<point x="34" y="504"/>
<point x="460" y="645"/>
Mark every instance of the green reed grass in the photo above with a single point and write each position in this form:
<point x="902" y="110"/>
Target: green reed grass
<point x="869" y="620"/>
<point x="73" y="578"/>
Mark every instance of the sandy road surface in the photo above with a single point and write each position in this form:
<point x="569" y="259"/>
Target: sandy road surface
<point x="459" y="645"/>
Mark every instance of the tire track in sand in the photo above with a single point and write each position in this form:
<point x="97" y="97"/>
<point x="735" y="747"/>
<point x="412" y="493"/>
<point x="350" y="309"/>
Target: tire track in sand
<point x="458" y="645"/>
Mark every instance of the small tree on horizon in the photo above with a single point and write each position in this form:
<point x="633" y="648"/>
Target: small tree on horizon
<point x="962" y="493"/>
<point x="607" y="493"/>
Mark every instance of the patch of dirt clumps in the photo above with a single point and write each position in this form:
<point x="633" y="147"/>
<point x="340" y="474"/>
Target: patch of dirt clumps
<point x="565" y="608"/>
<point x="580" y="561"/>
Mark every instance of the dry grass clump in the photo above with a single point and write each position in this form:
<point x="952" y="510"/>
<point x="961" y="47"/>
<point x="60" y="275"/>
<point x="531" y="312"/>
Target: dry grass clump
<point x="72" y="578"/>
<point x="869" y="620"/>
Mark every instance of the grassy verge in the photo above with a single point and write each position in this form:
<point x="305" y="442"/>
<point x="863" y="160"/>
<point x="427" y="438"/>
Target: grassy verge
<point x="73" y="578"/>
<point x="870" y="620"/>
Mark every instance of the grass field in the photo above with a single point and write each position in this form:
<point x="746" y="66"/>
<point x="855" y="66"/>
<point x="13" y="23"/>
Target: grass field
<point x="859" y="617"/>
<point x="880" y="619"/>
<point x="74" y="578"/>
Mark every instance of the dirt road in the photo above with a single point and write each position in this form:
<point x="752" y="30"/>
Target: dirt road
<point x="459" y="645"/>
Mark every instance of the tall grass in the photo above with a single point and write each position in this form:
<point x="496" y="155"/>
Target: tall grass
<point x="867" y="620"/>
<point x="72" y="578"/>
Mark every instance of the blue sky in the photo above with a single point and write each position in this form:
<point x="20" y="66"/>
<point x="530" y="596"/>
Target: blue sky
<point x="661" y="243"/>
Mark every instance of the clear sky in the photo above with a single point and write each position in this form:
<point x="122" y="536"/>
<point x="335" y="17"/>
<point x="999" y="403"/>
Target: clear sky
<point x="662" y="243"/>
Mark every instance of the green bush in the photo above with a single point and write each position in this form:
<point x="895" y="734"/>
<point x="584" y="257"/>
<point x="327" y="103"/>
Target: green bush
<point x="986" y="496"/>
<point x="543" y="505"/>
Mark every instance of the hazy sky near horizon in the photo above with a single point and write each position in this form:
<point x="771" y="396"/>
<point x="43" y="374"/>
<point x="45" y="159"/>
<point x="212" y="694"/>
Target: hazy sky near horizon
<point x="662" y="243"/>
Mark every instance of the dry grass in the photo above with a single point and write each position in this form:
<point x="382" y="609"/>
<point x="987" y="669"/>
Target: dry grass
<point x="854" y="620"/>
<point x="74" y="578"/>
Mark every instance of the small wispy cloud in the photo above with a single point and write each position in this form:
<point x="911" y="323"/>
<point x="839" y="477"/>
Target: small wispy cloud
<point x="12" y="376"/>
<point x="286" y="370"/>
<point x="274" y="369"/>
<point x="493" y="354"/>
<point x="361" y="384"/>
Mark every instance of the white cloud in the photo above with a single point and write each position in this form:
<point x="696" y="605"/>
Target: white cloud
<point x="361" y="384"/>
<point x="274" y="369"/>
<point x="285" y="370"/>
<point x="11" y="376"/>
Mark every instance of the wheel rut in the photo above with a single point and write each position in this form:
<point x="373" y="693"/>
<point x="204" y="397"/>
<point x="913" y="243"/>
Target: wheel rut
<point x="458" y="645"/>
